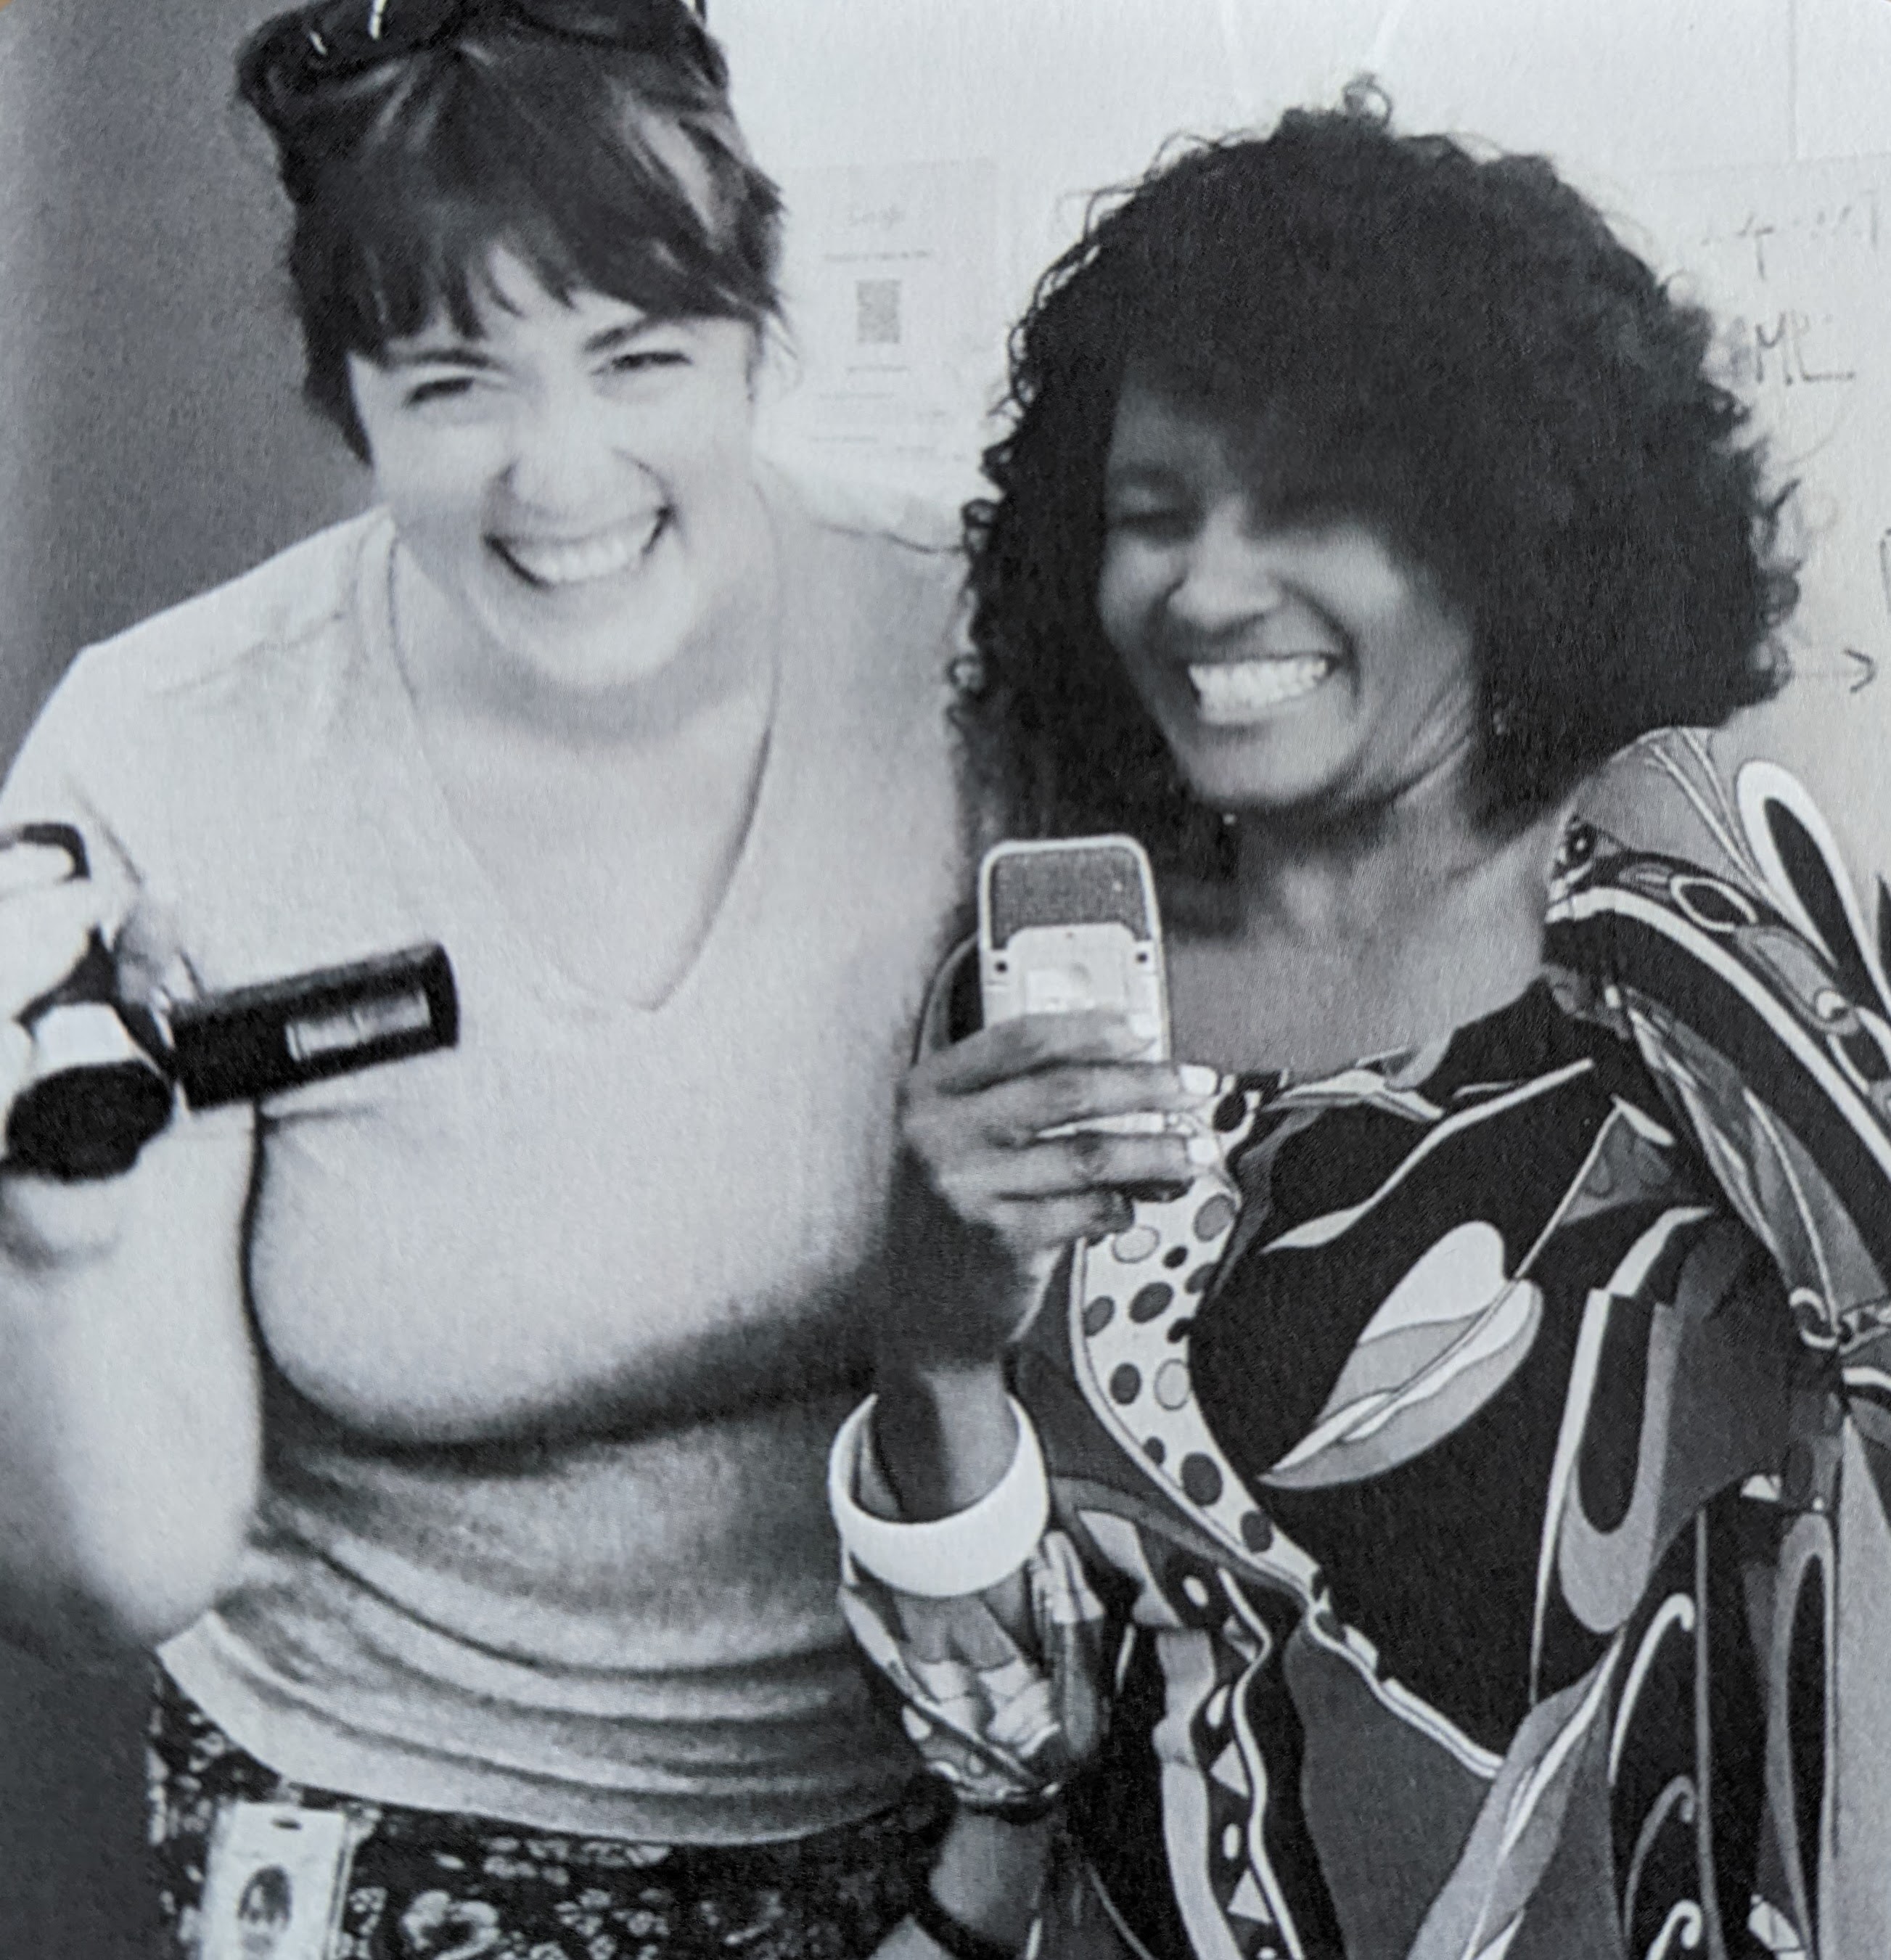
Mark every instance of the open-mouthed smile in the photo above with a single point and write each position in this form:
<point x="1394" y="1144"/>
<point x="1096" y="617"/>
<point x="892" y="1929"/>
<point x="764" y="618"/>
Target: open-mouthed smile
<point x="1231" y="693"/>
<point x="556" y="562"/>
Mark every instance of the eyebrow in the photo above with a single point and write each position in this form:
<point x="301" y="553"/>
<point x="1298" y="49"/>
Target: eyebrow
<point x="451" y="354"/>
<point x="1135" y="474"/>
<point x="608" y="339"/>
<point x="471" y="354"/>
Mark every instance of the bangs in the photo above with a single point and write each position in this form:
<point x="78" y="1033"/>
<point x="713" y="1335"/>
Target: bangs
<point x="586" y="179"/>
<point x="1339" y="393"/>
<point x="1311" y="438"/>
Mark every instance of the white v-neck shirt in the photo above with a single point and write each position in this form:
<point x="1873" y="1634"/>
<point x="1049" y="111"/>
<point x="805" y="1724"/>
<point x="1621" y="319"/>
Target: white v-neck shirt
<point x="560" y="1321"/>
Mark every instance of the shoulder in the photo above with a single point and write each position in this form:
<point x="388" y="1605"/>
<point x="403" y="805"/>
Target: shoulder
<point x="880" y="578"/>
<point x="1729" y="871"/>
<point x="1753" y="989"/>
<point x="182" y="728"/>
<point x="1681" y="793"/>
<point x="1754" y="981"/>
<point x="239" y="639"/>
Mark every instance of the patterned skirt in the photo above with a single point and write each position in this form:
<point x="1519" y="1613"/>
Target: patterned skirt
<point x="430" y="1885"/>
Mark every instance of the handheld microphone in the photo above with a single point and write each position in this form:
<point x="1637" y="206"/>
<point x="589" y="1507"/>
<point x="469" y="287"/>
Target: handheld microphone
<point x="1069" y="923"/>
<point x="105" y="1071"/>
<point x="1066" y="924"/>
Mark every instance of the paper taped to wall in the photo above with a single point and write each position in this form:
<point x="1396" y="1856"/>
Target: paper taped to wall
<point x="891" y="289"/>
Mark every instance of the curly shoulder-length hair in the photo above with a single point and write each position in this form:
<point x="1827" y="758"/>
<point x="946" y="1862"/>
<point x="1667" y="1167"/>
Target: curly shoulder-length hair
<point x="1453" y="349"/>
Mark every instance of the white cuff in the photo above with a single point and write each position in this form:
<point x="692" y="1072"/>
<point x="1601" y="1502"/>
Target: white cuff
<point x="951" y="1556"/>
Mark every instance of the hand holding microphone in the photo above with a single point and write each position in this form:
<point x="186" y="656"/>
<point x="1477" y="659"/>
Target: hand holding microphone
<point x="92" y="1075"/>
<point x="1045" y="1125"/>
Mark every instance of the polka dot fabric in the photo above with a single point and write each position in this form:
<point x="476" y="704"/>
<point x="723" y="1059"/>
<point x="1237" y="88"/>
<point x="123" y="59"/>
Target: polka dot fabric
<point x="1132" y="1303"/>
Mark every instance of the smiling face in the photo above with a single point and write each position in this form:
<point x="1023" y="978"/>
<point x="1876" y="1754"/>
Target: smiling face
<point x="263" y="1913"/>
<point x="576" y="481"/>
<point x="1299" y="666"/>
<point x="258" y="1939"/>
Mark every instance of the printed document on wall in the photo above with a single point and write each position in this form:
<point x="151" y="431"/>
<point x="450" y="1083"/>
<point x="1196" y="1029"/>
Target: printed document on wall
<point x="897" y="338"/>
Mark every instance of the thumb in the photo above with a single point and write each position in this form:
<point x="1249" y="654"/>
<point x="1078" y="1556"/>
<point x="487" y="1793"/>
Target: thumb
<point x="149" y="955"/>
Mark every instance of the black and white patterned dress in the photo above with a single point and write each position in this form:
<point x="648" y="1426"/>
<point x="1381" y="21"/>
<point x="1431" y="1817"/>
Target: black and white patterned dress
<point x="1470" y="1537"/>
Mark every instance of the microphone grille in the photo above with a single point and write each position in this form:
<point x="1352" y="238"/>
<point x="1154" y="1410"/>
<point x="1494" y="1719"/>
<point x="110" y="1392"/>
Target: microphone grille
<point x="1088" y="883"/>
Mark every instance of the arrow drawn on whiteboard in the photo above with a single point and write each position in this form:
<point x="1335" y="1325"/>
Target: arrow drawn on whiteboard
<point x="1868" y="670"/>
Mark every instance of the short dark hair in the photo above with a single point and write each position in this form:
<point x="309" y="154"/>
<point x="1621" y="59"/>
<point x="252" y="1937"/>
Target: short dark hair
<point x="550" y="128"/>
<point x="1452" y="348"/>
<point x="267" y="1896"/>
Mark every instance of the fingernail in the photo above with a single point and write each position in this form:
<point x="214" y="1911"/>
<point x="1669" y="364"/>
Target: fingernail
<point x="1204" y="1152"/>
<point x="1198" y="1080"/>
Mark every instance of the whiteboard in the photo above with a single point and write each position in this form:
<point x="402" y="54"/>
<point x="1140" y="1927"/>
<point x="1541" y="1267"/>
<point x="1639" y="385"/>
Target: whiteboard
<point x="1795" y="262"/>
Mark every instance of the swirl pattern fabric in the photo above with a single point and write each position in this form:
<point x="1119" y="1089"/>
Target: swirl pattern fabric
<point x="1470" y="1535"/>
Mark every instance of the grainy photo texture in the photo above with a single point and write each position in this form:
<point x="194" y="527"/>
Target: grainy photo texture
<point x="945" y="992"/>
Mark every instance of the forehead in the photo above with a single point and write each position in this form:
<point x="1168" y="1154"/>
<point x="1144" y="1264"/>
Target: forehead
<point x="1157" y="428"/>
<point x="512" y="310"/>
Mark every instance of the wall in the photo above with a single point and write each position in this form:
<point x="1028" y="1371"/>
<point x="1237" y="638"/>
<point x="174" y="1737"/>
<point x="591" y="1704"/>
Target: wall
<point x="1069" y="96"/>
<point x="152" y="442"/>
<point x="1741" y="144"/>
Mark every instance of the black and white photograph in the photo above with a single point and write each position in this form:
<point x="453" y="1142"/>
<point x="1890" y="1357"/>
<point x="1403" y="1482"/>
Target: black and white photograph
<point x="945" y="980"/>
<point x="273" y="1888"/>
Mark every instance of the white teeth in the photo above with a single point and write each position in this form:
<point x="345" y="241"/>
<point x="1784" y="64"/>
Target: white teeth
<point x="555" y="562"/>
<point x="1233" y="691"/>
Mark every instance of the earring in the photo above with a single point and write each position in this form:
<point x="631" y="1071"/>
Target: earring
<point x="967" y="676"/>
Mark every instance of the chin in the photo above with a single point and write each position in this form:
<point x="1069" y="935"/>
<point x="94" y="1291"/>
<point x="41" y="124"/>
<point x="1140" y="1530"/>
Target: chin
<point x="1276" y="771"/>
<point x="1248" y="792"/>
<point x="618" y="646"/>
<point x="588" y="670"/>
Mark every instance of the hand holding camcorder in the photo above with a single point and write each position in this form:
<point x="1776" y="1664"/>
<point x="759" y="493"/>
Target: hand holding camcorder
<point x="104" y="1072"/>
<point x="1046" y="1127"/>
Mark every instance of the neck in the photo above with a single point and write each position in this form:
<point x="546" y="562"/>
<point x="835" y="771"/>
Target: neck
<point x="724" y="655"/>
<point x="1379" y="875"/>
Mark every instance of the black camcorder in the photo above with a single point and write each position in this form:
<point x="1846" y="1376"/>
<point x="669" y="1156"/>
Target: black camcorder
<point x="106" y="1072"/>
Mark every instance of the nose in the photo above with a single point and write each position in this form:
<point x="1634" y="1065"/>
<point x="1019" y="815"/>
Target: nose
<point x="564" y="460"/>
<point x="1226" y="577"/>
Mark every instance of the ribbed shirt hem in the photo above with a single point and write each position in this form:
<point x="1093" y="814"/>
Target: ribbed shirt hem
<point x="311" y="1746"/>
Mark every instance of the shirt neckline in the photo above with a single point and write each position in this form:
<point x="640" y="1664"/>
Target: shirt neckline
<point x="424" y="799"/>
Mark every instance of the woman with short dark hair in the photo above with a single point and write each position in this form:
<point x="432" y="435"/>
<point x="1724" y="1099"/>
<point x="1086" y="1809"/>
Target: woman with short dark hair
<point x="1413" y="1532"/>
<point x="457" y="1426"/>
<point x="264" y="1909"/>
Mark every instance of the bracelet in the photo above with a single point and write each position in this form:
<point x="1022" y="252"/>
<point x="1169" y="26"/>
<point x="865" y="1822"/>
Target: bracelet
<point x="947" y="1557"/>
<point x="946" y="1929"/>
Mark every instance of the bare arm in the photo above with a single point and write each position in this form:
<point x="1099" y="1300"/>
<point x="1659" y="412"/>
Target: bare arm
<point x="989" y="1876"/>
<point x="129" y="1424"/>
<point x="986" y="1204"/>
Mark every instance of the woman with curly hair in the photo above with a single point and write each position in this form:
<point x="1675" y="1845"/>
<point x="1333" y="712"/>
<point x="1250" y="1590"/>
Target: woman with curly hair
<point x="1403" y="1524"/>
